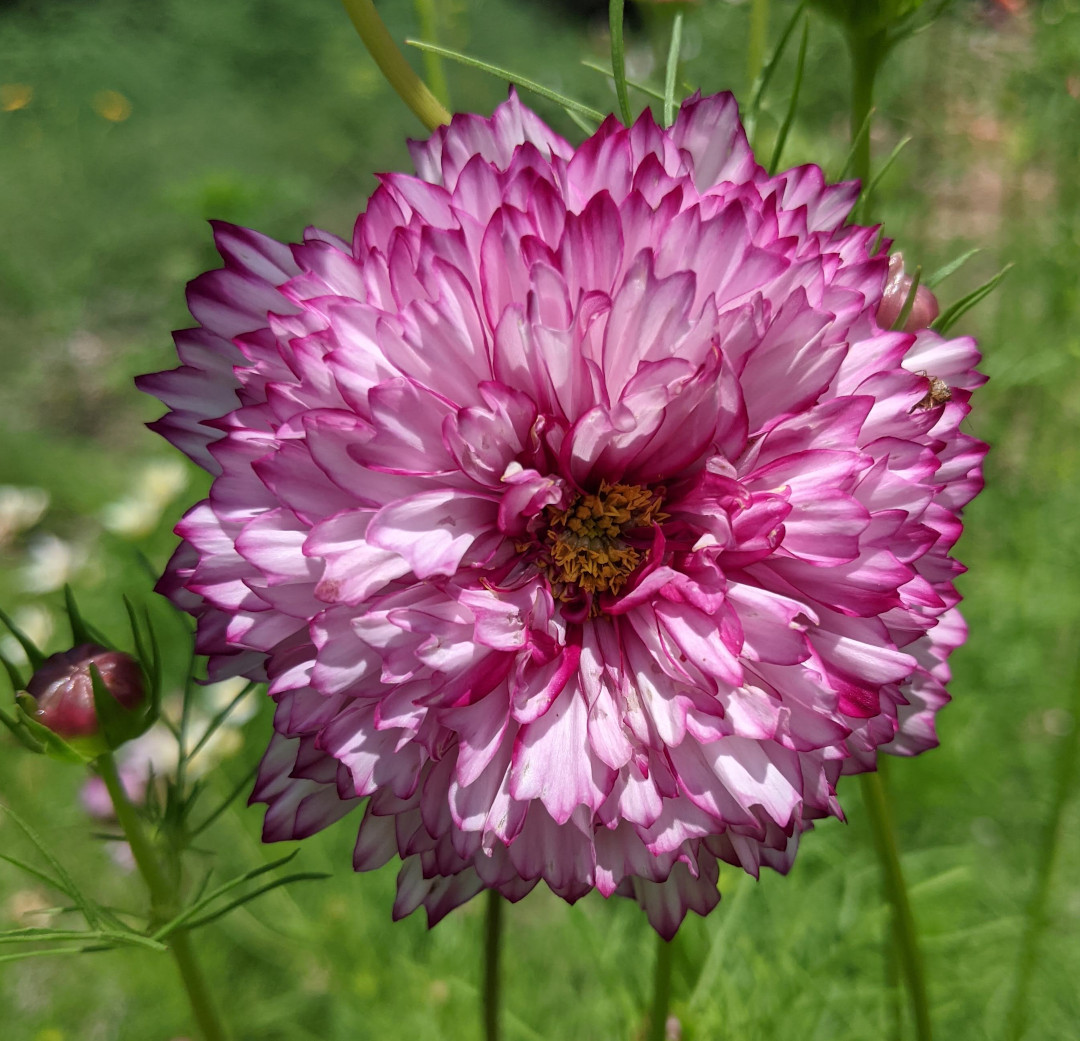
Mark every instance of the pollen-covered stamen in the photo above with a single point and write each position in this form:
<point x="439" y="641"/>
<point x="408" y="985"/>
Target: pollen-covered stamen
<point x="594" y="545"/>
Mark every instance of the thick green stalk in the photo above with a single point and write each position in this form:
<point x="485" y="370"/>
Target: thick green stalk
<point x="618" y="60"/>
<point x="866" y="56"/>
<point x="671" y="73"/>
<point x="433" y="66"/>
<point x="398" y="72"/>
<point x="661" y="1000"/>
<point x="198" y="992"/>
<point x="867" y="52"/>
<point x="894" y="995"/>
<point x="759" y="35"/>
<point x="492" y="977"/>
<point x="1064" y="780"/>
<point x="904" y="934"/>
<point x="163" y="901"/>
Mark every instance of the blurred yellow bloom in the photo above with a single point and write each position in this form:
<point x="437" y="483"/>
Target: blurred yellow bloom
<point x="111" y="105"/>
<point x="14" y="96"/>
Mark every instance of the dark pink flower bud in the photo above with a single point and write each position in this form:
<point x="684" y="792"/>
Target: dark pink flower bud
<point x="64" y="690"/>
<point x="923" y="311"/>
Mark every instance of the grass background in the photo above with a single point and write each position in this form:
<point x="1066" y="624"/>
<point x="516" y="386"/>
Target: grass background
<point x="270" y="113"/>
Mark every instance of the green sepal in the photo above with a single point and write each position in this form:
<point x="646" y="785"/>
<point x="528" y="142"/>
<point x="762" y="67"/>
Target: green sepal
<point x="33" y="655"/>
<point x="81" y="631"/>
<point x="572" y="106"/>
<point x="79" y="750"/>
<point x="952" y="314"/>
<point x="64" y="882"/>
<point x="35" y="934"/>
<point x="943" y="272"/>
<point x="859" y="216"/>
<point x="299" y="876"/>
<point x="21" y="732"/>
<point x="869" y="17"/>
<point x="41" y="876"/>
<point x="761" y="84"/>
<point x="909" y="301"/>
<point x="618" y="60"/>
<point x="118" y="724"/>
<point x="243" y="785"/>
<point x="789" y="116"/>
<point x="148" y="651"/>
<point x="644" y="88"/>
<point x="17" y="682"/>
<point x="849" y="159"/>
<point x="203" y="903"/>
<point x="12" y="722"/>
<point x="671" y="71"/>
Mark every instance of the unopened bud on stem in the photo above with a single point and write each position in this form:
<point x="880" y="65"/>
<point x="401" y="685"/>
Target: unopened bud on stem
<point x="924" y="309"/>
<point x="64" y="688"/>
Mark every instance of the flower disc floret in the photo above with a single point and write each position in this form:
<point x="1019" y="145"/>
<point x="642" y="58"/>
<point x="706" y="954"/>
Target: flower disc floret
<point x="595" y="544"/>
<point x="583" y="519"/>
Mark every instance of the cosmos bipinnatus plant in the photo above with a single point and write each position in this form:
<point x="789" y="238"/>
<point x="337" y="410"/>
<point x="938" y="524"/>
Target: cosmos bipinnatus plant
<point x="588" y="511"/>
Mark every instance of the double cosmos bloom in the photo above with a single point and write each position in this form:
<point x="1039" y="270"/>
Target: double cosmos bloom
<point x="580" y="514"/>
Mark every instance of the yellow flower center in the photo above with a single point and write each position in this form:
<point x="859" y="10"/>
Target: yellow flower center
<point x="591" y="546"/>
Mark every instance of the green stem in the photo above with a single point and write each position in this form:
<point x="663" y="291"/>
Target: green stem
<point x="618" y="60"/>
<point x="198" y="992"/>
<point x="162" y="900"/>
<point x="661" y="1000"/>
<point x="866" y="56"/>
<point x="759" y="34"/>
<point x="492" y="980"/>
<point x="161" y="893"/>
<point x="671" y="73"/>
<point x="398" y="72"/>
<point x="894" y="996"/>
<point x="905" y="934"/>
<point x="433" y="66"/>
<point x="1065" y="778"/>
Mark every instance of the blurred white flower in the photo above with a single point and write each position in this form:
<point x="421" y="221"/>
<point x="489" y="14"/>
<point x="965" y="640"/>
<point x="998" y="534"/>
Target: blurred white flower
<point x="20" y="508"/>
<point x="138" y="513"/>
<point x="219" y="695"/>
<point x="36" y="622"/>
<point x="87" y="350"/>
<point x="51" y="563"/>
<point x="156" y="752"/>
<point x="130" y="516"/>
<point x="26" y="907"/>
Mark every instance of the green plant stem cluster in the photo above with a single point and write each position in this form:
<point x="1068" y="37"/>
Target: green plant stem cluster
<point x="163" y="887"/>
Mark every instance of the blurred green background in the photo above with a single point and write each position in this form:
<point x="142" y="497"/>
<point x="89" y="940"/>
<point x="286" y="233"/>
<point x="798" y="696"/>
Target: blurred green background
<point x="123" y="125"/>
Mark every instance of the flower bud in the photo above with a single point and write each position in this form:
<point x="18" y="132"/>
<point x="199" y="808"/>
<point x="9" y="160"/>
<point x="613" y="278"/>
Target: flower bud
<point x="923" y="310"/>
<point x="64" y="690"/>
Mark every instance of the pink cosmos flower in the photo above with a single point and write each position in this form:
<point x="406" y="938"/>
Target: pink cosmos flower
<point x="579" y="513"/>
